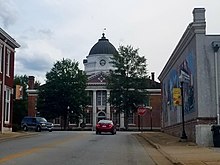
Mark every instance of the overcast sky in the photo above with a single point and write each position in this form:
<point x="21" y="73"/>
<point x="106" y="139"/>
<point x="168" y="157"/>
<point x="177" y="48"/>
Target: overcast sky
<point x="49" y="30"/>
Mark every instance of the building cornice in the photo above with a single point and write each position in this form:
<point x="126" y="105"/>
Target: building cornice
<point x="32" y="91"/>
<point x="183" y="43"/>
<point x="8" y="38"/>
<point x="197" y="27"/>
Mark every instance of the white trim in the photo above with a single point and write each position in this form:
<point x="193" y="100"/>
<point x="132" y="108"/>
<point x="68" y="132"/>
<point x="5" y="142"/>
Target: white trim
<point x="8" y="63"/>
<point x="7" y="110"/>
<point x="8" y="37"/>
<point x="155" y="94"/>
<point x="154" y="90"/>
<point x="1" y="55"/>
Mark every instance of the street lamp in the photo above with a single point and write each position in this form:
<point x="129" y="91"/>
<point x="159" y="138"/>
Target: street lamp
<point x="183" y="120"/>
<point x="184" y="77"/>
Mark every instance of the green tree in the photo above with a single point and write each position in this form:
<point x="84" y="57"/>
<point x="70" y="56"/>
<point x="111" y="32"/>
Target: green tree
<point x="20" y="107"/>
<point x="128" y="81"/>
<point x="64" y="93"/>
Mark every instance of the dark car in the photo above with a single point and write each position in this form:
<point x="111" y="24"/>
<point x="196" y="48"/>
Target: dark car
<point x="105" y="126"/>
<point x="36" y="123"/>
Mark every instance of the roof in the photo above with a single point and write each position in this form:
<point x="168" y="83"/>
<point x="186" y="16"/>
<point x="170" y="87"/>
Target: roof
<point x="6" y="37"/>
<point x="103" y="46"/>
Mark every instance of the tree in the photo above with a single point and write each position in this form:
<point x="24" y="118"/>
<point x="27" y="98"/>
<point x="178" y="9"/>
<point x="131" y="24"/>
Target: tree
<point x="20" y="106"/>
<point x="128" y="82"/>
<point x="64" y="93"/>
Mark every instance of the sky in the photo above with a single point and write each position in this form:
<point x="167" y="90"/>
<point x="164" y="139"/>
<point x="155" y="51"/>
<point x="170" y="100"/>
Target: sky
<point x="50" y="30"/>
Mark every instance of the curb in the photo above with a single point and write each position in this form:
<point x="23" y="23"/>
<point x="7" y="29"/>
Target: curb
<point x="158" y="147"/>
<point x="11" y="136"/>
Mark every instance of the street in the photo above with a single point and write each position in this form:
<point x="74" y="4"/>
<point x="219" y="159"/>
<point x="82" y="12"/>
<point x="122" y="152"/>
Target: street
<point x="78" y="148"/>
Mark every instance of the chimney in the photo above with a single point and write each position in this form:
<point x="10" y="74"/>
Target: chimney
<point x="199" y="24"/>
<point x="152" y="76"/>
<point x="31" y="82"/>
<point x="199" y="15"/>
<point x="32" y="97"/>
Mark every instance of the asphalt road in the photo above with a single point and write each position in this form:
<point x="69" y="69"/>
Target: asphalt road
<point x="78" y="148"/>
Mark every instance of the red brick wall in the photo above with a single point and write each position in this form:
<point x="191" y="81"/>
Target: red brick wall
<point x="32" y="97"/>
<point x="153" y="116"/>
<point x="9" y="83"/>
<point x="31" y="105"/>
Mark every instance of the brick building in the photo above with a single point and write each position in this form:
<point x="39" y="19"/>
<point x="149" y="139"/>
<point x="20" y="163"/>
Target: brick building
<point x="7" y="57"/>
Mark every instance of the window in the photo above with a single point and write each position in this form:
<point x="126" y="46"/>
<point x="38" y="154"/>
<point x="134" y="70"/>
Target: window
<point x="131" y="118"/>
<point x="101" y="98"/>
<point x="7" y="105"/>
<point x="88" y="117"/>
<point x="116" y="118"/>
<point x="90" y="94"/>
<point x="1" y="53"/>
<point x="7" y="63"/>
<point x="57" y="120"/>
<point x="101" y="115"/>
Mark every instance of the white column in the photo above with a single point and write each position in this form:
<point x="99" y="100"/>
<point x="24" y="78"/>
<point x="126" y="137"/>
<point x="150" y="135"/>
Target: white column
<point x="108" y="105"/>
<point x="94" y="109"/>
<point x="122" y="120"/>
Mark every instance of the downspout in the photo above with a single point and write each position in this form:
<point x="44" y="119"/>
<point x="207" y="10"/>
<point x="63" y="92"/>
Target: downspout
<point x="215" y="47"/>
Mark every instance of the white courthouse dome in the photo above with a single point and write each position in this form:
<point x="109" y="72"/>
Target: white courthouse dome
<point x="99" y="57"/>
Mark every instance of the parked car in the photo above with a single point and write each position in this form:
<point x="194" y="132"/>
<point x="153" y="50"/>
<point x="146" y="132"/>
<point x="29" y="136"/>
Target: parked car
<point x="105" y="126"/>
<point x="36" y="123"/>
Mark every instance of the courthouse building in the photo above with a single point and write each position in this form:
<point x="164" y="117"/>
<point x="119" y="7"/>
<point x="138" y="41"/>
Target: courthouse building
<point x="193" y="66"/>
<point x="97" y="65"/>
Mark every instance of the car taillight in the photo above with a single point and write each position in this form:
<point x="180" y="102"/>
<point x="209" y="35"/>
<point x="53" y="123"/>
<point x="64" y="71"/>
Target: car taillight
<point x="109" y="125"/>
<point x="97" y="125"/>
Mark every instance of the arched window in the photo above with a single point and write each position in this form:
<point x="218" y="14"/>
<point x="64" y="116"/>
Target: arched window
<point x="101" y="115"/>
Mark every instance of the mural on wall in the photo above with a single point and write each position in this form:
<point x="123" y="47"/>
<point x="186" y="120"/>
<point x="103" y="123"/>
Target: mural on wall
<point x="173" y="81"/>
<point x="189" y="68"/>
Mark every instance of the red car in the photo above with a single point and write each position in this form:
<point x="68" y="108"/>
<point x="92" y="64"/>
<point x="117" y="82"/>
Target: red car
<point x="105" y="126"/>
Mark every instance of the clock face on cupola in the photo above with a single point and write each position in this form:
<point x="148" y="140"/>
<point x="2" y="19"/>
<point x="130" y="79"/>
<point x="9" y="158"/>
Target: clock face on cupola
<point x="99" y="57"/>
<point x="102" y="62"/>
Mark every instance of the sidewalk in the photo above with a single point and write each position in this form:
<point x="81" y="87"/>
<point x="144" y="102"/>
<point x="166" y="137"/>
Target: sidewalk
<point x="10" y="135"/>
<point x="182" y="153"/>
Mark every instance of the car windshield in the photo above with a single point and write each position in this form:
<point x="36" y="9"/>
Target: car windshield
<point x="41" y="119"/>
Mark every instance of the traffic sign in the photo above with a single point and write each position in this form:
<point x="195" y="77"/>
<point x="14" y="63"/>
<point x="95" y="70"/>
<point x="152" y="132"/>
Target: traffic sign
<point x="141" y="111"/>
